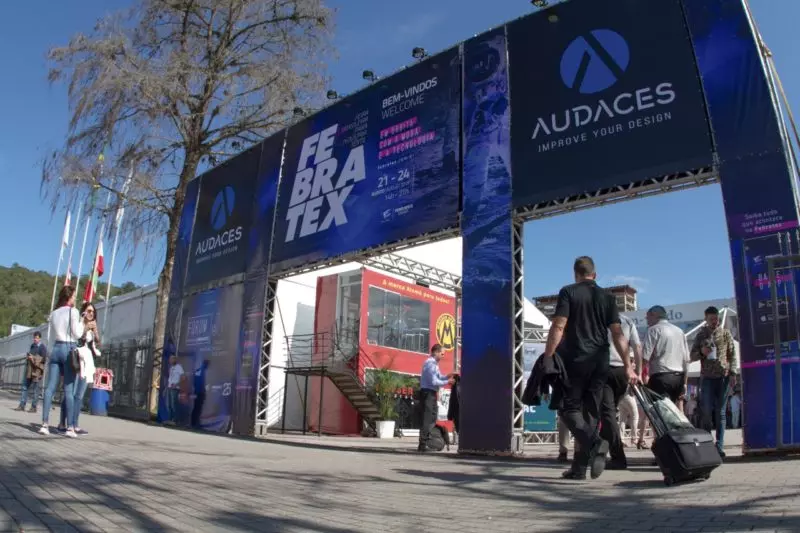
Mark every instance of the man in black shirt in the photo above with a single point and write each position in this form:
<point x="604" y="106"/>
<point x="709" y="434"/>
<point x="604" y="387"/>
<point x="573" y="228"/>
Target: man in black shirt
<point x="584" y="315"/>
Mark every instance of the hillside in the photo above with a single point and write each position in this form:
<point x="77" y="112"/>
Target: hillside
<point x="26" y="296"/>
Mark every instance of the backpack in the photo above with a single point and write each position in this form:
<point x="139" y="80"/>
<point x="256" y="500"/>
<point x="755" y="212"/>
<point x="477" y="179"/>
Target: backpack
<point x="441" y="436"/>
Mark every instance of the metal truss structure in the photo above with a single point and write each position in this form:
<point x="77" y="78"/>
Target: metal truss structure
<point x="419" y="272"/>
<point x="518" y="317"/>
<point x="262" y="396"/>
<point x="621" y="193"/>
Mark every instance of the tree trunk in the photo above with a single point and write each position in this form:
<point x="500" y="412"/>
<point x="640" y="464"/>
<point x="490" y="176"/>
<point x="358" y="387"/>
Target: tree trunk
<point x="165" y="279"/>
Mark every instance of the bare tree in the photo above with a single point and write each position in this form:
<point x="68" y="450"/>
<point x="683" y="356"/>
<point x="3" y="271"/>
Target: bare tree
<point x="170" y="87"/>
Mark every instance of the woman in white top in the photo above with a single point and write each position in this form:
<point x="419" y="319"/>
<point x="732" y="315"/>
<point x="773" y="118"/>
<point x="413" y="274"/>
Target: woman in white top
<point x="88" y="352"/>
<point x="66" y="328"/>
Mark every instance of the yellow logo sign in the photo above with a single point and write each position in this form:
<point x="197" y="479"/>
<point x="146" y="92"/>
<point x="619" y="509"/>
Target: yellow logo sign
<point x="446" y="331"/>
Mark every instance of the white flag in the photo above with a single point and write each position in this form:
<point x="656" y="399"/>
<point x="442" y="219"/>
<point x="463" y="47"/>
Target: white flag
<point x="65" y="239"/>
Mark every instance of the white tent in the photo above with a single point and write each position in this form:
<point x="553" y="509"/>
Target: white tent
<point x="534" y="316"/>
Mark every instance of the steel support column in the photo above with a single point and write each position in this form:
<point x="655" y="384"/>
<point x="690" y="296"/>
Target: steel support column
<point x="262" y="396"/>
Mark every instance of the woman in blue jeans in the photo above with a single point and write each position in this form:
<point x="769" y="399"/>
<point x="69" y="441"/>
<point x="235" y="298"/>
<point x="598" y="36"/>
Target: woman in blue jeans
<point x="67" y="327"/>
<point x="88" y="352"/>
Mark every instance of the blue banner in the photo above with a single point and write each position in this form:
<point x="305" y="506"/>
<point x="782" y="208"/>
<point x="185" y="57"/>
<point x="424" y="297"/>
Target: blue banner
<point x="207" y="355"/>
<point x="176" y="290"/>
<point x="224" y="215"/>
<point x="249" y="356"/>
<point x="605" y="94"/>
<point x="761" y="208"/>
<point x="266" y="195"/>
<point x="487" y="351"/>
<point x="378" y="167"/>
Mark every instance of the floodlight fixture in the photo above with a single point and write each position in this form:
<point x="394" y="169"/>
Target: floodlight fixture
<point x="369" y="75"/>
<point x="419" y="53"/>
<point x="299" y="112"/>
<point x="333" y="95"/>
<point x="540" y="3"/>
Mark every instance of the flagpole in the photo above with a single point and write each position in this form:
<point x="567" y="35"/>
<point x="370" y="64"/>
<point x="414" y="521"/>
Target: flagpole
<point x="61" y="247"/>
<point x="72" y="242"/>
<point x="117" y="224"/>
<point x="83" y="247"/>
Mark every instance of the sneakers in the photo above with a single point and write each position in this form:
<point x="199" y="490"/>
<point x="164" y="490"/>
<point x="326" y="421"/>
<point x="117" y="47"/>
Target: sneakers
<point x="70" y="433"/>
<point x="32" y="410"/>
<point x="19" y="408"/>
<point x="44" y="430"/>
<point x="80" y="431"/>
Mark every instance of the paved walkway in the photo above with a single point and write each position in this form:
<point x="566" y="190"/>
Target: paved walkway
<point x="127" y="476"/>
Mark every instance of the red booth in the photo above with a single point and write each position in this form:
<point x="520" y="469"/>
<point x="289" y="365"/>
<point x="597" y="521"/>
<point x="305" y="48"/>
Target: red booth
<point x="393" y="324"/>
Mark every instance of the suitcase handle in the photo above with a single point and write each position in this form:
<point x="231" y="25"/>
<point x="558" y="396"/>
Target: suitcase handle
<point x="646" y="398"/>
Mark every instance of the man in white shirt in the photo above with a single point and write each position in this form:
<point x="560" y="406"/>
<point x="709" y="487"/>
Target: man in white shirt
<point x="174" y="387"/>
<point x="667" y="355"/>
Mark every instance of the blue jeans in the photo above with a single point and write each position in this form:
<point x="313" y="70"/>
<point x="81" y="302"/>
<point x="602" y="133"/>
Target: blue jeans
<point x="173" y="404"/>
<point x="58" y="366"/>
<point x="713" y="398"/>
<point x="80" y="390"/>
<point x="27" y="384"/>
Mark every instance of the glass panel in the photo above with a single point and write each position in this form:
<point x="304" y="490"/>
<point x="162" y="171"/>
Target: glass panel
<point x="399" y="322"/>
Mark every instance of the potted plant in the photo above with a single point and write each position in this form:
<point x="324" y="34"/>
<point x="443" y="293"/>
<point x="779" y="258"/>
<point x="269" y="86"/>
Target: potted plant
<point x="386" y="384"/>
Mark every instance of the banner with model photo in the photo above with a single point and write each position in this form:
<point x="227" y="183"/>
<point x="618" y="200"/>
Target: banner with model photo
<point x="220" y="237"/>
<point x="378" y="167"/>
<point x="605" y="93"/>
<point x="206" y="359"/>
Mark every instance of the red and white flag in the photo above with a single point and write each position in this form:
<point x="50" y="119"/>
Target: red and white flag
<point x="97" y="271"/>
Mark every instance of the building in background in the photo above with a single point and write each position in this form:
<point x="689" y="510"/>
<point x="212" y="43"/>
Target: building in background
<point x="624" y="294"/>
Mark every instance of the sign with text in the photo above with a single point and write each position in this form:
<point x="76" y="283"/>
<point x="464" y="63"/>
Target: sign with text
<point x="207" y="352"/>
<point x="220" y="237"/>
<point x="378" y="167"/>
<point x="606" y="95"/>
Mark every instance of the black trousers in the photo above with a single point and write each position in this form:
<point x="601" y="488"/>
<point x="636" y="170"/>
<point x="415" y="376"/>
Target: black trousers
<point x="428" y="413"/>
<point x="615" y="388"/>
<point x="581" y="405"/>
<point x="669" y="384"/>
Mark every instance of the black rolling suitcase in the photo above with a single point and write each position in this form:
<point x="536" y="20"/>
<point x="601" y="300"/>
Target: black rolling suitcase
<point x="683" y="452"/>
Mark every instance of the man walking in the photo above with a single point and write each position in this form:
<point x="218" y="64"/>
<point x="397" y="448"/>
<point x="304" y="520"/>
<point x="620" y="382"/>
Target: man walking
<point x="580" y="333"/>
<point x="430" y="381"/>
<point x="667" y="355"/>
<point x="615" y="389"/>
<point x="713" y="347"/>
<point x="34" y="371"/>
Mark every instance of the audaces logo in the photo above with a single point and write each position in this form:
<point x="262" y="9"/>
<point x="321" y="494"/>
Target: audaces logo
<point x="221" y="212"/>
<point x="316" y="185"/>
<point x="590" y="64"/>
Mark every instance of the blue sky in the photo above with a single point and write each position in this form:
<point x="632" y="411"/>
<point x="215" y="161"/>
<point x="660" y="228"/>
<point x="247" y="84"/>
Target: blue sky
<point x="690" y="262"/>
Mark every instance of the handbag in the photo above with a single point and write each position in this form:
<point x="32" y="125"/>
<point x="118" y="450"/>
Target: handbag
<point x="74" y="355"/>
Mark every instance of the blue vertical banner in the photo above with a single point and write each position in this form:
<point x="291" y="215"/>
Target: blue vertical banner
<point x="487" y="353"/>
<point x="760" y="204"/>
<point x="207" y="355"/>
<point x="176" y="289"/>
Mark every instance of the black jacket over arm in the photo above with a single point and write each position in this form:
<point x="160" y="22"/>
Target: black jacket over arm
<point x="541" y="381"/>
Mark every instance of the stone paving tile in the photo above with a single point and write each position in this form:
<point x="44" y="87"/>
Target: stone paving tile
<point x="134" y="477"/>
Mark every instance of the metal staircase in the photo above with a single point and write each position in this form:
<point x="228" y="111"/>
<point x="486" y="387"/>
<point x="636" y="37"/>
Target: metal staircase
<point x="337" y="356"/>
